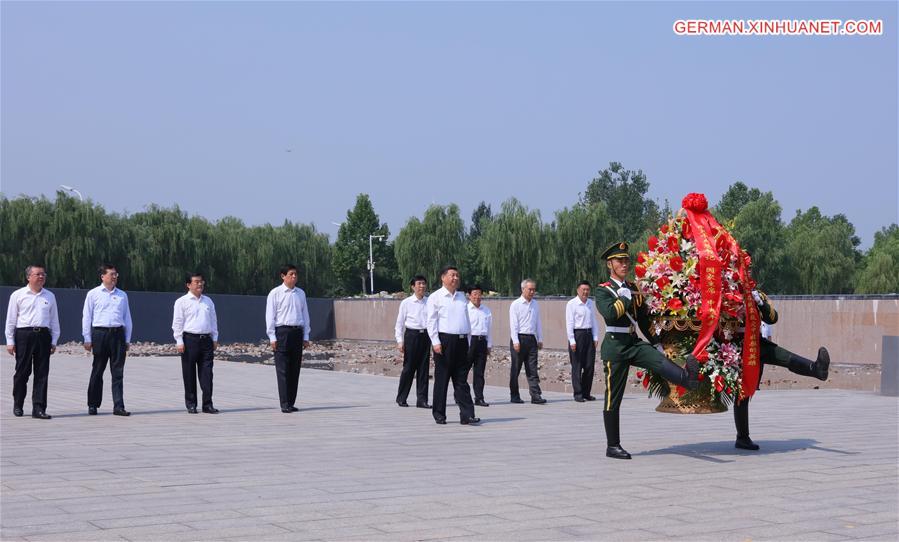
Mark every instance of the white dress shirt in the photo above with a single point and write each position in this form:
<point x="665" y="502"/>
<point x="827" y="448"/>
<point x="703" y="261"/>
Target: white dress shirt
<point x="194" y="315"/>
<point x="413" y="315"/>
<point x="286" y="307"/>
<point x="105" y="308"/>
<point x="447" y="313"/>
<point x="29" y="309"/>
<point x="481" y="320"/>
<point x="580" y="315"/>
<point x="524" y="318"/>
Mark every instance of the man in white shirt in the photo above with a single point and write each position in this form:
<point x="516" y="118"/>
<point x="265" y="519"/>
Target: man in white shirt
<point x="449" y="330"/>
<point x="32" y="330"/>
<point x="481" y="320"/>
<point x="106" y="328"/>
<point x="582" y="329"/>
<point x="411" y="331"/>
<point x="196" y="333"/>
<point x="526" y="333"/>
<point x="287" y="326"/>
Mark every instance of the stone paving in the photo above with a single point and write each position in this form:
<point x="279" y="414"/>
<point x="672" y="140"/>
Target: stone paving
<point x="351" y="465"/>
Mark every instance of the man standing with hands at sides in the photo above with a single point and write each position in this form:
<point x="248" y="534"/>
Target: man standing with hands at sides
<point x="287" y="326"/>
<point x="106" y="328"/>
<point x="32" y="329"/>
<point x="526" y="339"/>
<point x="196" y="334"/>
<point x="481" y="320"/>
<point x="582" y="329"/>
<point x="412" y="340"/>
<point x="449" y="330"/>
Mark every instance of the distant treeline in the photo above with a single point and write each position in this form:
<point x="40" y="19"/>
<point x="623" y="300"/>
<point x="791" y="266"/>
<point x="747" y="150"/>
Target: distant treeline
<point x="810" y="254"/>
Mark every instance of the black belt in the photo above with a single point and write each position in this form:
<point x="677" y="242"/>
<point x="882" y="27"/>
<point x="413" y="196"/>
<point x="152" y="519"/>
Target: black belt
<point x="479" y="337"/>
<point x="99" y="328"/>
<point x="288" y="327"/>
<point x="413" y="330"/>
<point x="197" y="335"/>
<point x="456" y="336"/>
<point x="527" y="335"/>
<point x="33" y="329"/>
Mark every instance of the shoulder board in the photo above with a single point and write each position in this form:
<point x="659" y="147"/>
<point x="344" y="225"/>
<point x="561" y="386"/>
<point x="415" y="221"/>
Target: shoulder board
<point x="606" y="284"/>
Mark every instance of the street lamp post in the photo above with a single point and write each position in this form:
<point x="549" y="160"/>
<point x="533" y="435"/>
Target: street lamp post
<point x="371" y="261"/>
<point x="68" y="188"/>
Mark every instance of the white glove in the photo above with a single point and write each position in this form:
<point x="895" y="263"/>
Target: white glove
<point x="758" y="297"/>
<point x="660" y="348"/>
<point x="624" y="292"/>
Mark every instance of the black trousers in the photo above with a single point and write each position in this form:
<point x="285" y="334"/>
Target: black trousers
<point x="452" y="364"/>
<point x="477" y="359"/>
<point x="583" y="362"/>
<point x="197" y="358"/>
<point x="108" y="348"/>
<point x="288" y="361"/>
<point x="416" y="356"/>
<point x="32" y="349"/>
<point x="527" y="355"/>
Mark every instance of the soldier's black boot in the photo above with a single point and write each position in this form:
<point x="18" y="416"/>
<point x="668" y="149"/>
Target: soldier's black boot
<point x="687" y="376"/>
<point x="741" y="420"/>
<point x="613" y="438"/>
<point x="806" y="367"/>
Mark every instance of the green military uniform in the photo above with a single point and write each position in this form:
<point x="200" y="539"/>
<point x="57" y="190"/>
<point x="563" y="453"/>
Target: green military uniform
<point x="621" y="348"/>
<point x="772" y="354"/>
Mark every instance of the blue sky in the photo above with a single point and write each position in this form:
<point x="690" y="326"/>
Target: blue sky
<point x="419" y="103"/>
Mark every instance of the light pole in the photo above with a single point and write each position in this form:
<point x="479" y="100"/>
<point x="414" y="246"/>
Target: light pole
<point x="371" y="261"/>
<point x="68" y="188"/>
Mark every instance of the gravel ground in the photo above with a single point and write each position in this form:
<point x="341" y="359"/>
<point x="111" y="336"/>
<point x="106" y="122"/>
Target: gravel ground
<point x="382" y="358"/>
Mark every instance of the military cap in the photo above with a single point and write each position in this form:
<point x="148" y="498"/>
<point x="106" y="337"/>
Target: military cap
<point x="618" y="250"/>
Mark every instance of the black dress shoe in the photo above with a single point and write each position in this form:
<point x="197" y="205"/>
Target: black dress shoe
<point x="517" y="400"/>
<point x="92" y="410"/>
<point x="40" y="414"/>
<point x="422" y="405"/>
<point x="441" y="422"/>
<point x="294" y="409"/>
<point x="470" y="421"/>
<point x="579" y="399"/>
<point x="617" y="452"/>
<point x="590" y="397"/>
<point x="192" y="410"/>
<point x="538" y="401"/>
<point x="120" y="412"/>
<point x="745" y="443"/>
<point x="402" y="403"/>
<point x="481" y="402"/>
<point x="18" y="412"/>
<point x="285" y="410"/>
<point x="210" y="410"/>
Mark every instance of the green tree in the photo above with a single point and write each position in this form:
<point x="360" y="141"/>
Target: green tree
<point x="510" y="246"/>
<point x="880" y="274"/>
<point x="472" y="265"/>
<point x="822" y="253"/>
<point x="758" y="228"/>
<point x="738" y="195"/>
<point x="624" y="193"/>
<point x="425" y="246"/>
<point x="351" y="250"/>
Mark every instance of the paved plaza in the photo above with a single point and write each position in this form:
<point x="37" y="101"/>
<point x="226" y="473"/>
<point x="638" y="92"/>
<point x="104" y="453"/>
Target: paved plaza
<point x="351" y="465"/>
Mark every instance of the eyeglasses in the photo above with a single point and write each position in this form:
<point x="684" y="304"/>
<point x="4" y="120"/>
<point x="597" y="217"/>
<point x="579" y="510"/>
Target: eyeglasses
<point x="39" y="274"/>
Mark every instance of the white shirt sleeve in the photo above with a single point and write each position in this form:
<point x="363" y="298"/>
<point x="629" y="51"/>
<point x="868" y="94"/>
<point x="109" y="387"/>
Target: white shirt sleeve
<point x="178" y="322"/>
<point x="539" y="322"/>
<point x="87" y="317"/>
<point x="400" y="326"/>
<point x="12" y="316"/>
<point x="513" y="323"/>
<point x="307" y="323"/>
<point x="569" y="322"/>
<point x="591" y="310"/>
<point x="433" y="308"/>
<point x="270" y="316"/>
<point x="215" y="323"/>
<point x="489" y="320"/>
<point x="54" y="324"/>
<point x="129" y="327"/>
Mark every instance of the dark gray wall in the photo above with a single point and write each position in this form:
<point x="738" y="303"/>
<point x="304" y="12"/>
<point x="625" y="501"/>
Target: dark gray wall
<point x="241" y="318"/>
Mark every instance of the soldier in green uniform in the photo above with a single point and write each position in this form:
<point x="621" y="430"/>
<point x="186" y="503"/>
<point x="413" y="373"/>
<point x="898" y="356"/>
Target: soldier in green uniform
<point x="772" y="354"/>
<point x="623" y="309"/>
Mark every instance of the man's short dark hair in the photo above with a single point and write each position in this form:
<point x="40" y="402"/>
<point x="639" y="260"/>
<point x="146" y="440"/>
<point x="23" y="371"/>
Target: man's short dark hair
<point x="287" y="268"/>
<point x="474" y="287"/>
<point x="190" y="277"/>
<point x="584" y="283"/>
<point x="31" y="267"/>
<point x="104" y="267"/>
<point x="417" y="278"/>
<point x="447" y="269"/>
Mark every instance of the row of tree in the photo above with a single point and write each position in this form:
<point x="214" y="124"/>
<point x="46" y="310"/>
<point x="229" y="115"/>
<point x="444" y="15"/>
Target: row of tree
<point x="810" y="254"/>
